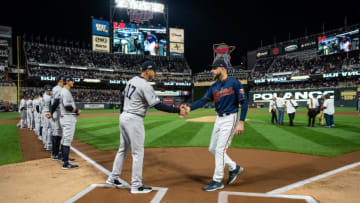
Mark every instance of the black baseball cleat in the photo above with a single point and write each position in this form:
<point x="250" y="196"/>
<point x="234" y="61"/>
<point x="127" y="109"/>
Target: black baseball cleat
<point x="213" y="185"/>
<point x="142" y="189"/>
<point x="234" y="174"/>
<point x="55" y="158"/>
<point x="114" y="181"/>
<point x="69" y="166"/>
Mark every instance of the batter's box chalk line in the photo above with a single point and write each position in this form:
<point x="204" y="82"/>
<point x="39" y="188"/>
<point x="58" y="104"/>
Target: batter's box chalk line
<point x="223" y="196"/>
<point x="156" y="199"/>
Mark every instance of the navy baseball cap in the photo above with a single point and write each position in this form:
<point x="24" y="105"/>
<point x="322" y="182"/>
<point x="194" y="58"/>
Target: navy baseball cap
<point x="48" y="87"/>
<point x="219" y="63"/>
<point x="59" y="77"/>
<point x="68" y="78"/>
<point x="149" y="64"/>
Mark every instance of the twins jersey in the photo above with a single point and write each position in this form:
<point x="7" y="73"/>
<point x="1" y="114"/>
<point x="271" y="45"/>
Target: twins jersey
<point x="139" y="96"/>
<point x="47" y="102"/>
<point x="66" y="99"/>
<point x="226" y="95"/>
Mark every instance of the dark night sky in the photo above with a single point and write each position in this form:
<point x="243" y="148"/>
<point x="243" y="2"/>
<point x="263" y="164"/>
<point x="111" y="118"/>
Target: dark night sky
<point x="205" y="22"/>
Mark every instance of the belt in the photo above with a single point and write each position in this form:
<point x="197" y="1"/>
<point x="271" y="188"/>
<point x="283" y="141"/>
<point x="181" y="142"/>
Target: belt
<point x="224" y="114"/>
<point x="135" y="114"/>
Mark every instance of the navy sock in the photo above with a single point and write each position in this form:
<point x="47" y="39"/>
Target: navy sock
<point x="66" y="151"/>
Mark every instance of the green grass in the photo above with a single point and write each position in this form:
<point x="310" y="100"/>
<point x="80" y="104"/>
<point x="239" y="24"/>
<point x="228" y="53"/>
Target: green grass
<point x="10" y="150"/>
<point x="9" y="115"/>
<point x="171" y="131"/>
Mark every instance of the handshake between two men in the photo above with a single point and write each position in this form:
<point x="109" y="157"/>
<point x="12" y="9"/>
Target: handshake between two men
<point x="184" y="111"/>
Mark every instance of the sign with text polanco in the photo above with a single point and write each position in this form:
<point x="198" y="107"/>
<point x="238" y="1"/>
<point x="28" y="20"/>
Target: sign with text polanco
<point x="341" y="96"/>
<point x="100" y="43"/>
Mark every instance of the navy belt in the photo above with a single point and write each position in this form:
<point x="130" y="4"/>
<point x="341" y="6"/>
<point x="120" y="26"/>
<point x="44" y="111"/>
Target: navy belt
<point x="224" y="114"/>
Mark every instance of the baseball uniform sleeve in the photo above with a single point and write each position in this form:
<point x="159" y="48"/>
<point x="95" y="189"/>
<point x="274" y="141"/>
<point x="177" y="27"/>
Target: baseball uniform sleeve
<point x="149" y="94"/>
<point x="201" y="102"/>
<point x="241" y="97"/>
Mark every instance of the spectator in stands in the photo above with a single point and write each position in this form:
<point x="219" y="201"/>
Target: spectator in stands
<point x="280" y="104"/>
<point x="272" y="110"/>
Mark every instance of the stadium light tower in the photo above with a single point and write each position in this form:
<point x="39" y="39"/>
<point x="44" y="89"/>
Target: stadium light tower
<point x="140" y="5"/>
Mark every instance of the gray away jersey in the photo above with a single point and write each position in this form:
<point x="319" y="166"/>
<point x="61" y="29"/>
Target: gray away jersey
<point x="47" y="101"/>
<point x="55" y="94"/>
<point x="66" y="99"/>
<point x="139" y="96"/>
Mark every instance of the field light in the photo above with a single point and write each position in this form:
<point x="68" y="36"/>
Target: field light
<point x="140" y="5"/>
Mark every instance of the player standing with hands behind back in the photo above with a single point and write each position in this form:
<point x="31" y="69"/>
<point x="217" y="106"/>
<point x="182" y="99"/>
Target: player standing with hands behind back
<point x="68" y="120"/>
<point x="227" y="93"/>
<point x="139" y="95"/>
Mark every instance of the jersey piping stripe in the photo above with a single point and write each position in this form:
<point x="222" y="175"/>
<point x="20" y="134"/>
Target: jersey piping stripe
<point x="227" y="142"/>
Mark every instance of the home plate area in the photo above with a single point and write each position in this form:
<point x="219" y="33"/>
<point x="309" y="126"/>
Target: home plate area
<point x="178" y="175"/>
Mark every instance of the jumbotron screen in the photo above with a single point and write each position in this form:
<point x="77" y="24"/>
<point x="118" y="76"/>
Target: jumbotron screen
<point x="344" y="42"/>
<point x="135" y="39"/>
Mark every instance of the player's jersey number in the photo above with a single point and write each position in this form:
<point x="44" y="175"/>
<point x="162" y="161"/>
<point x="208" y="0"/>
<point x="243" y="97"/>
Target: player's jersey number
<point x="130" y="91"/>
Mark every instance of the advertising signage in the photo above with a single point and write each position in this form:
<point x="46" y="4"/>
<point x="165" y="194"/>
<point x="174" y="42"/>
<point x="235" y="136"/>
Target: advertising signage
<point x="100" y="27"/>
<point x="261" y="54"/>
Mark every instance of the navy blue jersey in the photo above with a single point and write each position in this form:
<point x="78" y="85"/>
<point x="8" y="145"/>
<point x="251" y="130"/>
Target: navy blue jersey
<point x="226" y="95"/>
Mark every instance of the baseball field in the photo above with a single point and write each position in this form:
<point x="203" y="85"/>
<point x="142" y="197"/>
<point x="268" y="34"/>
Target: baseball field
<point x="176" y="155"/>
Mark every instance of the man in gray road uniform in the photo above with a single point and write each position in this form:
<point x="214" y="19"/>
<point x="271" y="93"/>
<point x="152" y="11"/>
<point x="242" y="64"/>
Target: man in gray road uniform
<point x="139" y="95"/>
<point x="56" y="131"/>
<point x="23" y="111"/>
<point x="46" y="130"/>
<point x="67" y="120"/>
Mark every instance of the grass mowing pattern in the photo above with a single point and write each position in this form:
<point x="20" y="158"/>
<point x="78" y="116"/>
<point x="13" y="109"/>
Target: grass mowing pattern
<point x="171" y="131"/>
<point x="10" y="150"/>
<point x="9" y="115"/>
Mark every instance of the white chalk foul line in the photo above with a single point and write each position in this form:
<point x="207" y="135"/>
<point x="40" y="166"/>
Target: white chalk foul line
<point x="315" y="178"/>
<point x="223" y="196"/>
<point x="156" y="199"/>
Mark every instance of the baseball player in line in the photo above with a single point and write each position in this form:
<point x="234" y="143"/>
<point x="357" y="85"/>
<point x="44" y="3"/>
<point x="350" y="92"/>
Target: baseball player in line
<point x="139" y="95"/>
<point x="68" y="120"/>
<point x="29" y="116"/>
<point x="23" y="111"/>
<point x="46" y="129"/>
<point x="56" y="131"/>
<point x="227" y="93"/>
<point x="36" y="106"/>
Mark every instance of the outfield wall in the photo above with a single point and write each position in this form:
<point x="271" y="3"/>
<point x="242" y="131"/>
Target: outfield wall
<point x="8" y="94"/>
<point x="347" y="97"/>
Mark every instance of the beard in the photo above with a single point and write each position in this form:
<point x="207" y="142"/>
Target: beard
<point x="217" y="76"/>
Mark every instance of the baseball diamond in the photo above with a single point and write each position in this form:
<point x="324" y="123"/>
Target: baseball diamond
<point x="179" y="101"/>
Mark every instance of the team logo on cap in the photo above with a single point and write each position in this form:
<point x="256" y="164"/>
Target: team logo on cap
<point x="223" y="51"/>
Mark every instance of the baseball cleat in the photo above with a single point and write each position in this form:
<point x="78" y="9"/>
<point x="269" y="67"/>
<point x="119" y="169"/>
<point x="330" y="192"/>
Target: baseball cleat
<point x="55" y="158"/>
<point x="69" y="166"/>
<point x="213" y="185"/>
<point x="114" y="181"/>
<point x="234" y="174"/>
<point x="142" y="189"/>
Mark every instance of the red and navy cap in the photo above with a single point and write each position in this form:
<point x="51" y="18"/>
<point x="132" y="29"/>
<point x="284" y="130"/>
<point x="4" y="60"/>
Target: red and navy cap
<point x="219" y="63"/>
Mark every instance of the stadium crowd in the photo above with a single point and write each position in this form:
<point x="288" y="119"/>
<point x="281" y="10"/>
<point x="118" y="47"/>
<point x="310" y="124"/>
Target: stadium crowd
<point x="82" y="95"/>
<point x="67" y="56"/>
<point x="306" y="85"/>
<point x="314" y="65"/>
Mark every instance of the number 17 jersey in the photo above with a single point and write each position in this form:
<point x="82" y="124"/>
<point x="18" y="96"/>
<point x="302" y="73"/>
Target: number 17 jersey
<point x="139" y="95"/>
